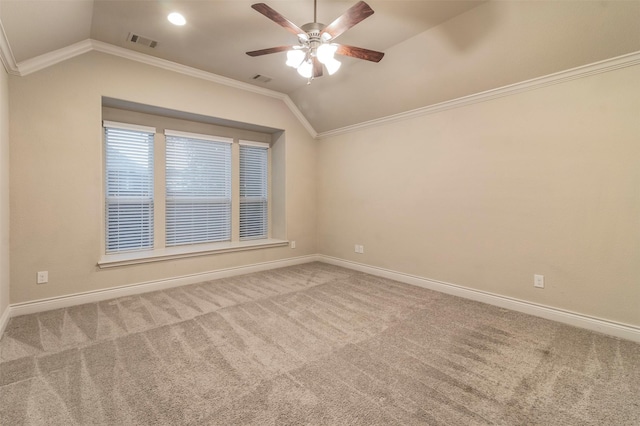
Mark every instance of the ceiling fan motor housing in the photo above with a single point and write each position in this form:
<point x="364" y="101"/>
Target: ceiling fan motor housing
<point x="313" y="30"/>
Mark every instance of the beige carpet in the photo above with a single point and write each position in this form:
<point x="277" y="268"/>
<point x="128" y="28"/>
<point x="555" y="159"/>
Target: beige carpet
<point x="311" y="344"/>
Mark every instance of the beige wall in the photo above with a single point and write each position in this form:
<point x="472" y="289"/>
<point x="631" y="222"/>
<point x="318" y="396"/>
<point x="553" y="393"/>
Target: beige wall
<point x="56" y="171"/>
<point x="486" y="195"/>
<point x="4" y="191"/>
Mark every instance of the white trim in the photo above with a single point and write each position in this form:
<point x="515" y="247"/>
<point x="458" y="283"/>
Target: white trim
<point x="4" y="320"/>
<point x="148" y="286"/>
<point x="128" y="126"/>
<point x="200" y="136"/>
<point x="300" y="116"/>
<point x="6" y="55"/>
<point x="255" y="144"/>
<point x="38" y="63"/>
<point x="181" y="252"/>
<point x="606" y="65"/>
<point x="625" y="331"/>
<point x="612" y="328"/>
<point x="48" y="59"/>
<point x="204" y="75"/>
<point x="121" y="52"/>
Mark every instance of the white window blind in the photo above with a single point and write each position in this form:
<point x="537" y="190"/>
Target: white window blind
<point x="129" y="187"/>
<point x="198" y="188"/>
<point x="253" y="190"/>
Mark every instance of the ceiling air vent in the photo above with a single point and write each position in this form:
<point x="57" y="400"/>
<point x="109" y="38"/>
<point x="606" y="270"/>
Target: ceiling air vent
<point x="262" y="78"/>
<point x="138" y="39"/>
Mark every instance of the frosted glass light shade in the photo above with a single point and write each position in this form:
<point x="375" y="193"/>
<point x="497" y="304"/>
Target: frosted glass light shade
<point x="332" y="66"/>
<point x="325" y="52"/>
<point x="295" y="57"/>
<point x="305" y="69"/>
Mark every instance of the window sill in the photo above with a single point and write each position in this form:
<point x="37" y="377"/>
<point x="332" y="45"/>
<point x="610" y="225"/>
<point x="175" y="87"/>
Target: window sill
<point x="170" y="253"/>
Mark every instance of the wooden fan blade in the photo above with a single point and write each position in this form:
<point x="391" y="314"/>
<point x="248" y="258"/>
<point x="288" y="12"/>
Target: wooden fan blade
<point x="278" y="19"/>
<point x="358" y="12"/>
<point x="270" y="50"/>
<point x="317" y="68"/>
<point x="360" y="53"/>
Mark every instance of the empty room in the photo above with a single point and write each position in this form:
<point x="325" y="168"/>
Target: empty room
<point x="328" y="212"/>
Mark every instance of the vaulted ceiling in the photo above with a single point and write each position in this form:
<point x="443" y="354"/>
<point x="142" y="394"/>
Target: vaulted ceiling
<point x="434" y="50"/>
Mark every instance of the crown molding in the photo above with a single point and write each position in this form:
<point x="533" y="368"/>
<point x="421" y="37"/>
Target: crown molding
<point x="132" y="55"/>
<point x="46" y="60"/>
<point x="43" y="61"/>
<point x="606" y="65"/>
<point x="6" y="55"/>
<point x="38" y="63"/>
<point x="303" y="120"/>
<point x="204" y="75"/>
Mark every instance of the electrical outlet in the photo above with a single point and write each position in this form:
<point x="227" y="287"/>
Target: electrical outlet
<point x="538" y="281"/>
<point x="43" y="277"/>
<point x="359" y="248"/>
<point x="292" y="244"/>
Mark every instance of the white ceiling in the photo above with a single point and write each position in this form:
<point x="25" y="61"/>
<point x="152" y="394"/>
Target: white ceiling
<point x="435" y="50"/>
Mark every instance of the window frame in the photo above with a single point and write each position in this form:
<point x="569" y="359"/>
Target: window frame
<point x="161" y="252"/>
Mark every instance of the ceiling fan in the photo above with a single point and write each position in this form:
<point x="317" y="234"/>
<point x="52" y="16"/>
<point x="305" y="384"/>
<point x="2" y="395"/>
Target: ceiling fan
<point x="315" y="46"/>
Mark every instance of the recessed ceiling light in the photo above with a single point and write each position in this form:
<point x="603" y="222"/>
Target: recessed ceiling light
<point x="176" y="19"/>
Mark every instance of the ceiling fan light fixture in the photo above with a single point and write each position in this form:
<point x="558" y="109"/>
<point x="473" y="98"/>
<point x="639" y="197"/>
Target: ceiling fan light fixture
<point x="325" y="52"/>
<point x="314" y="41"/>
<point x="306" y="69"/>
<point x="295" y="58"/>
<point x="176" y="19"/>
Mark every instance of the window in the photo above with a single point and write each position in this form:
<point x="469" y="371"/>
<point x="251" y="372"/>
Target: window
<point x="198" y="188"/>
<point x="253" y="190"/>
<point x="187" y="194"/>
<point x="129" y="187"/>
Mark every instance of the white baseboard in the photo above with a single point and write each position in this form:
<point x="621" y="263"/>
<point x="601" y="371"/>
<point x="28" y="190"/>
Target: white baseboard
<point x="611" y="328"/>
<point x="144" y="287"/>
<point x="4" y="319"/>
<point x="624" y="331"/>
